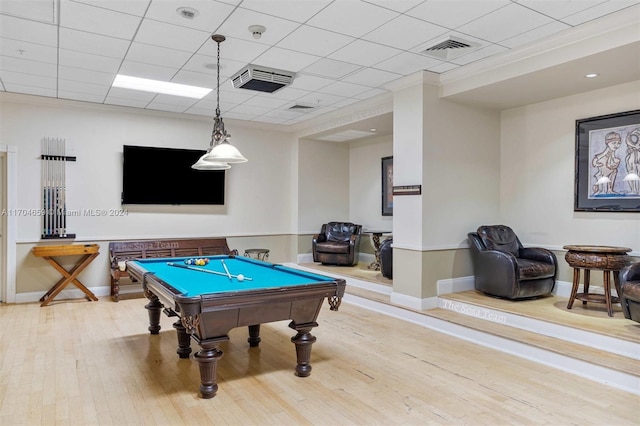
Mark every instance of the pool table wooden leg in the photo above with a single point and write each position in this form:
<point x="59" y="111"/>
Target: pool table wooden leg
<point x="303" y="341"/>
<point x="184" y="340"/>
<point x="155" y="308"/>
<point x="254" y="336"/>
<point x="208" y="358"/>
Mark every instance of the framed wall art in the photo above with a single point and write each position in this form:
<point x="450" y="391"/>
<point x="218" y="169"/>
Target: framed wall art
<point x="387" y="186"/>
<point x="607" y="163"/>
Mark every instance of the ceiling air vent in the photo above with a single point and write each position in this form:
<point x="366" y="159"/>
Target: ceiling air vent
<point x="262" y="79"/>
<point x="450" y="48"/>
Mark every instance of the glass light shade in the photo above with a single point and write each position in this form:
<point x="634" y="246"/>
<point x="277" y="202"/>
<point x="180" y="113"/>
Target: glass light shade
<point x="631" y="176"/>
<point x="202" y="164"/>
<point x="224" y="153"/>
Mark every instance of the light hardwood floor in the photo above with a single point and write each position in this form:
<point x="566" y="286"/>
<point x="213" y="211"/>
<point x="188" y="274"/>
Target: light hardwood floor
<point x="85" y="363"/>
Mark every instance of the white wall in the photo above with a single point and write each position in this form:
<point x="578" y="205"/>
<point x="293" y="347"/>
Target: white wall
<point x="537" y="172"/>
<point x="323" y="184"/>
<point x="258" y="201"/>
<point x="365" y="182"/>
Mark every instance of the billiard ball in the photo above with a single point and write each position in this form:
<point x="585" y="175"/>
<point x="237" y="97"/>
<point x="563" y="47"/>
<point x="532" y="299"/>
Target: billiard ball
<point x="240" y="277"/>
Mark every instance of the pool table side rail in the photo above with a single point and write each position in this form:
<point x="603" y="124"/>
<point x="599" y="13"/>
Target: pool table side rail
<point x="142" y="249"/>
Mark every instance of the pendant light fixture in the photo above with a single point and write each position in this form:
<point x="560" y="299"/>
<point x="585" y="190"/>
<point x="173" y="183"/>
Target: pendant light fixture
<point x="221" y="153"/>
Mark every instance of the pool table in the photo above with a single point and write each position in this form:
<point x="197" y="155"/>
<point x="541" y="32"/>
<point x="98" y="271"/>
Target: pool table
<point x="228" y="292"/>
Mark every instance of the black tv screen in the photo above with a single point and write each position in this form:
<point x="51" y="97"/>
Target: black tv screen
<point x="164" y="176"/>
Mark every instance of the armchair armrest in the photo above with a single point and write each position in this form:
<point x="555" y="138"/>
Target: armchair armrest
<point x="319" y="238"/>
<point x="630" y="273"/>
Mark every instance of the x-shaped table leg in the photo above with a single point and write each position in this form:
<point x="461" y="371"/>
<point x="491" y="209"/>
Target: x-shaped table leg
<point x="69" y="276"/>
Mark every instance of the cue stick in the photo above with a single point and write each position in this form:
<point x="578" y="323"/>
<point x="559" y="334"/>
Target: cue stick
<point x="177" y="265"/>
<point x="64" y="189"/>
<point x="224" y="265"/>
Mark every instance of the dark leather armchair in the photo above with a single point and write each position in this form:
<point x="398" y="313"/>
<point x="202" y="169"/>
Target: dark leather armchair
<point x="338" y="243"/>
<point x="504" y="268"/>
<point x="386" y="258"/>
<point x="630" y="291"/>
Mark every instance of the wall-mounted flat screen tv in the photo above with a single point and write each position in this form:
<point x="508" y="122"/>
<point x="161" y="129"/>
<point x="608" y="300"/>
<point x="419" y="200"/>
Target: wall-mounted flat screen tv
<point x="164" y="176"/>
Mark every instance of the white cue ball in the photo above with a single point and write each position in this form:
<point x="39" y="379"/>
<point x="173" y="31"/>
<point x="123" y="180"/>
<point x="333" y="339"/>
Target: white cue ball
<point x="240" y="277"/>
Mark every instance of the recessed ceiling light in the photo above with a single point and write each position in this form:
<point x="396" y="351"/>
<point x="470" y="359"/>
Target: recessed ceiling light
<point x="187" y="12"/>
<point x="373" y="130"/>
<point x="591" y="75"/>
<point x="164" y="87"/>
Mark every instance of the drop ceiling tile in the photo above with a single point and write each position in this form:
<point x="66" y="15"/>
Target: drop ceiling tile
<point x="230" y="94"/>
<point x="397" y="5"/>
<point x="479" y="54"/>
<point x="29" y="31"/>
<point x="286" y="60"/>
<point x="352" y="18"/>
<point x="133" y="95"/>
<point x="77" y="96"/>
<point x="112" y="100"/>
<point x="345" y="102"/>
<point x="195" y="79"/>
<point x="314" y="41"/>
<point x="12" y="78"/>
<point x="535" y="34"/>
<point x="28" y="67"/>
<point x="598" y="11"/>
<point x="210" y="14"/>
<point x="405" y="32"/>
<point x="249" y="110"/>
<point x="364" y="53"/>
<point x="331" y="68"/>
<point x="97" y="20"/>
<point x="79" y="87"/>
<point x="370" y="94"/>
<point x="340" y="88"/>
<point x="137" y="7"/>
<point x="208" y="65"/>
<point x="266" y="101"/>
<point x="309" y="82"/>
<point x="295" y="10"/>
<point x="452" y="14"/>
<point x="39" y="10"/>
<point x="505" y="23"/>
<point x="154" y="72"/>
<point x="25" y="50"/>
<point x="92" y="43"/>
<point x="372" y="77"/>
<point x="408" y="63"/>
<point x="157" y="55"/>
<point x="239" y="116"/>
<point x="200" y="111"/>
<point x="233" y="49"/>
<point x="71" y="58"/>
<point x="172" y="36"/>
<point x="237" y="26"/>
<point x="180" y="101"/>
<point x="290" y="94"/>
<point x="559" y="9"/>
<point x="284" y="114"/>
<point x="86" y="76"/>
<point x="165" y="107"/>
<point x="31" y="90"/>
<point x="320" y="100"/>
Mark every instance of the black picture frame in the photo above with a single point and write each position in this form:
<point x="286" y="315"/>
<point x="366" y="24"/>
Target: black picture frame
<point x="387" y="186"/>
<point x="607" y="156"/>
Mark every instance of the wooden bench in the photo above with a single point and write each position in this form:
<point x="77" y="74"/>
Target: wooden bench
<point x="120" y="251"/>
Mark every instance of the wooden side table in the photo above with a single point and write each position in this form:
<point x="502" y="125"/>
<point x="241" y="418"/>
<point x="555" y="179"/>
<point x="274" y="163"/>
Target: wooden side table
<point x="375" y="237"/>
<point x="257" y="253"/>
<point x="89" y="252"/>
<point x="605" y="258"/>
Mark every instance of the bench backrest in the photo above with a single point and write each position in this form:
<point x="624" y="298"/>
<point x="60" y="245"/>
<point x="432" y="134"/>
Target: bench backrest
<point x="142" y="249"/>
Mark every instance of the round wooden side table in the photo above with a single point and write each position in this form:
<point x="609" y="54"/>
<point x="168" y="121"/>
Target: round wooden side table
<point x="605" y="258"/>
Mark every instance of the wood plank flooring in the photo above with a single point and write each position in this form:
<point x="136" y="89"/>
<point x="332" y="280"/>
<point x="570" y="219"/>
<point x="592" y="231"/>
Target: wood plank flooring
<point x="94" y="363"/>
